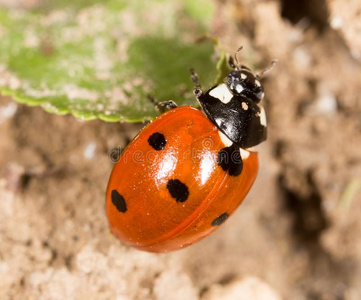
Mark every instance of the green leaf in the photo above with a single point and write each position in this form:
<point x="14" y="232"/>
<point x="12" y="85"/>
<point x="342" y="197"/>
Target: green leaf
<point x="100" y="59"/>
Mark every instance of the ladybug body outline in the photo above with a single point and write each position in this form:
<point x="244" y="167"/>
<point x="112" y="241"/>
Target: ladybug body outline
<point x="187" y="171"/>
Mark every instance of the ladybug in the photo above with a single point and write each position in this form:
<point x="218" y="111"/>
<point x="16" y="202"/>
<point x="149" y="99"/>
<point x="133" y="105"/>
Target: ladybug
<point x="188" y="170"/>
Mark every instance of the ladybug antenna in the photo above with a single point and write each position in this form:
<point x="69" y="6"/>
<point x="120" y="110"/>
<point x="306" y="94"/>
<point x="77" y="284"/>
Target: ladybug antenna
<point x="236" y="56"/>
<point x="268" y="69"/>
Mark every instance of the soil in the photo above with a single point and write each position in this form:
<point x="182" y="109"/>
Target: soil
<point x="298" y="233"/>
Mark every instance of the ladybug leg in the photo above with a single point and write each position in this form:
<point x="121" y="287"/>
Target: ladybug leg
<point x="162" y="106"/>
<point x="197" y="91"/>
<point x="166" y="105"/>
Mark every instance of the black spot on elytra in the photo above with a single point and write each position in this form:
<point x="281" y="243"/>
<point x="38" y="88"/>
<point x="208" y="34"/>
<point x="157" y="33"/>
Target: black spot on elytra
<point x="118" y="201"/>
<point x="219" y="220"/>
<point x="178" y="190"/>
<point x="157" y="141"/>
<point x="230" y="160"/>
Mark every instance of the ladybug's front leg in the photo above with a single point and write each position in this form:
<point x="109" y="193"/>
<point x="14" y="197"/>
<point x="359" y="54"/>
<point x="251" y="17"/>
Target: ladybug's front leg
<point x="197" y="91"/>
<point x="162" y="106"/>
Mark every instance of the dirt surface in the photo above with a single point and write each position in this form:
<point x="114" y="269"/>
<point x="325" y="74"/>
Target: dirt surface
<point x="297" y="235"/>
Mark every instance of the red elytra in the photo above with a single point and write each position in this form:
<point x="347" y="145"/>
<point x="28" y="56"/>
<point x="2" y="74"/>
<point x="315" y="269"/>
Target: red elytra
<point x="168" y="190"/>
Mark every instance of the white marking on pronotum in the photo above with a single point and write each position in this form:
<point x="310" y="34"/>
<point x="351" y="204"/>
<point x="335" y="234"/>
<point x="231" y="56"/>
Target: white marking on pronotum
<point x="244" y="153"/>
<point x="244" y="106"/>
<point x="263" y="117"/>
<point x="243" y="76"/>
<point x="239" y="88"/>
<point x="221" y="93"/>
<point x="262" y="95"/>
<point x="225" y="140"/>
<point x="257" y="83"/>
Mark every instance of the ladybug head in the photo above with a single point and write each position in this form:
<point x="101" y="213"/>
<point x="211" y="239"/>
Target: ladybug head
<point x="243" y="82"/>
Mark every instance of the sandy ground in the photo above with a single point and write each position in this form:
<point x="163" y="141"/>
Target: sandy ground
<point x="297" y="235"/>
